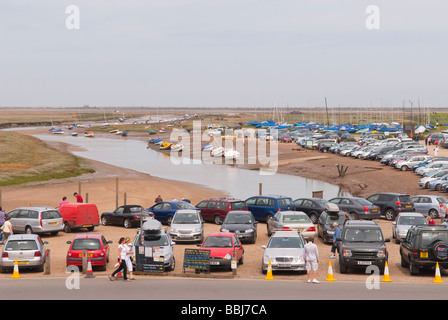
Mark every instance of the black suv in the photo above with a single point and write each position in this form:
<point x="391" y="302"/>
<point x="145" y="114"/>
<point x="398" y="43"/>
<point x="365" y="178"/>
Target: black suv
<point x="362" y="244"/>
<point x="392" y="204"/>
<point x="423" y="247"/>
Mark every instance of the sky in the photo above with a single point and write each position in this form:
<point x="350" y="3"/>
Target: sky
<point x="223" y="53"/>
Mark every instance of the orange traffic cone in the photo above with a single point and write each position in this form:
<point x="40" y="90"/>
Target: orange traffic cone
<point x="269" y="272"/>
<point x="386" y="277"/>
<point x="438" y="278"/>
<point x="89" y="270"/>
<point x="330" y="276"/>
<point x="15" y="274"/>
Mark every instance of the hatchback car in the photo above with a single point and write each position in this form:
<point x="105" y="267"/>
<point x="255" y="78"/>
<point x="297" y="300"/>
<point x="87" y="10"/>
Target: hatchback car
<point x="313" y="207"/>
<point x="265" y="207"/>
<point x="221" y="246"/>
<point x="216" y="209"/>
<point x="36" y="220"/>
<point x="97" y="250"/>
<point x="357" y="208"/>
<point x="404" y="221"/>
<point x="187" y="225"/>
<point x="410" y="161"/>
<point x="28" y="249"/>
<point x="164" y="211"/>
<point x="285" y="250"/>
<point x="242" y="223"/>
<point x="435" y="206"/>
<point x="391" y="204"/>
<point x="292" y="221"/>
<point x="325" y="229"/>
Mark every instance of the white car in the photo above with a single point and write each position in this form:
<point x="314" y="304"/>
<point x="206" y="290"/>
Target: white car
<point x="404" y="221"/>
<point x="285" y="250"/>
<point x="409" y="162"/>
<point x="431" y="166"/>
<point x="424" y="182"/>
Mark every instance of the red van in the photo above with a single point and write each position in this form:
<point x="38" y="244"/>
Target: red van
<point x="79" y="215"/>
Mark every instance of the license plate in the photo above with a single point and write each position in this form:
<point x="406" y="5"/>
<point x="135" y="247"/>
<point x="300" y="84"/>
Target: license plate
<point x="374" y="210"/>
<point x="365" y="263"/>
<point x="408" y="206"/>
<point x="284" y="266"/>
<point x="22" y="262"/>
<point x="214" y="263"/>
<point x="89" y="255"/>
<point x="53" y="223"/>
<point x="87" y="226"/>
<point x="423" y="254"/>
<point x="185" y="236"/>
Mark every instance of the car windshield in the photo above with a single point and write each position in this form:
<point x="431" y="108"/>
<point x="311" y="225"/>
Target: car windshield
<point x="363" y="235"/>
<point x="155" y="240"/>
<point x="53" y="214"/>
<point x="20" y="245"/>
<point x="285" y="242"/>
<point x="217" y="242"/>
<point x="364" y="202"/>
<point x="295" y="218"/>
<point x="185" y="205"/>
<point x="322" y="202"/>
<point x="340" y="219"/>
<point x="412" y="221"/>
<point x="237" y="205"/>
<point x="238" y="219"/>
<point x="88" y="244"/>
<point x="284" y="202"/>
<point x="185" y="218"/>
<point x="430" y="237"/>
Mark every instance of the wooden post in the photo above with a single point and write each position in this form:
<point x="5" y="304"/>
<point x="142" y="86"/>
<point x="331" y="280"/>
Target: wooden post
<point x="79" y="187"/>
<point x="260" y="188"/>
<point x="125" y="198"/>
<point x="87" y="197"/>
<point x="116" y="192"/>
<point x="84" y="261"/>
<point x="47" y="262"/>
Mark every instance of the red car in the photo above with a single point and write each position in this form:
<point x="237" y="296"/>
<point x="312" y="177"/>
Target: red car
<point x="221" y="246"/>
<point x="97" y="250"/>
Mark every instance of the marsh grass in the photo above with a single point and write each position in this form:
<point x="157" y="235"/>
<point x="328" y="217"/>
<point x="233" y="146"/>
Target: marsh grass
<point x="26" y="159"/>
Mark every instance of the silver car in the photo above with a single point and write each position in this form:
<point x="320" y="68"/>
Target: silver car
<point x="187" y="225"/>
<point x="285" y="250"/>
<point x="404" y="221"/>
<point x="435" y="206"/>
<point x="36" y="220"/>
<point x="292" y="221"/>
<point x="28" y="249"/>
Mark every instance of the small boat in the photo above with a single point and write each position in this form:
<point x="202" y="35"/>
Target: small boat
<point x="150" y="132"/>
<point x="162" y="130"/>
<point x="231" y="154"/>
<point x="177" y="147"/>
<point x="89" y="134"/>
<point x="165" y="146"/>
<point x="74" y="134"/>
<point x="217" y="152"/>
<point x="124" y="133"/>
<point x="155" y="140"/>
<point x="114" y="131"/>
<point x="118" y="132"/>
<point x="159" y="142"/>
<point x="58" y="131"/>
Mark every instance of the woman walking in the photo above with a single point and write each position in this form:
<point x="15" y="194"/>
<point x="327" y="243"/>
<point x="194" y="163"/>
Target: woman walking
<point x="122" y="253"/>
<point x="129" y="254"/>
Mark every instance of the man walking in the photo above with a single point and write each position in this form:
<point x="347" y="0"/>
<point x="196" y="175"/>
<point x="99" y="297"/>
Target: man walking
<point x="311" y="260"/>
<point x="336" y="235"/>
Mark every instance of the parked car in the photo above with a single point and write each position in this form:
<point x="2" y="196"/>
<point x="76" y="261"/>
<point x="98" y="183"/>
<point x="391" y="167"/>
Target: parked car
<point x="438" y="184"/>
<point x="429" y="176"/>
<point x="391" y="204"/>
<point x="28" y="249"/>
<point x="404" y="221"/>
<point x="221" y="246"/>
<point x="431" y="166"/>
<point x="410" y="161"/>
<point x="97" y="250"/>
<point x="216" y="209"/>
<point x="362" y="244"/>
<point x="435" y="206"/>
<point x="79" y="215"/>
<point x="313" y="207"/>
<point x="285" y="250"/>
<point x="423" y="247"/>
<point x="127" y="216"/>
<point x="150" y="236"/>
<point x="297" y="221"/>
<point x="187" y="225"/>
<point x="325" y="229"/>
<point x="357" y="208"/>
<point x="264" y="207"/>
<point x="242" y="223"/>
<point x="164" y="211"/>
<point x="36" y="220"/>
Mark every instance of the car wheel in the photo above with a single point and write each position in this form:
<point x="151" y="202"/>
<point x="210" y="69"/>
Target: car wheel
<point x="67" y="228"/>
<point x="28" y="230"/>
<point x="404" y="168"/>
<point x="433" y="213"/>
<point x="342" y="268"/>
<point x="389" y="214"/>
<point x="104" y="221"/>
<point x="354" y="216"/>
<point x="241" y="261"/>
<point x="413" y="269"/>
<point x="269" y="217"/>
<point x="127" y="223"/>
<point x="314" y="218"/>
<point x="404" y="264"/>
<point x="440" y="250"/>
<point x="218" y="219"/>
<point x="169" y="220"/>
<point x="172" y="266"/>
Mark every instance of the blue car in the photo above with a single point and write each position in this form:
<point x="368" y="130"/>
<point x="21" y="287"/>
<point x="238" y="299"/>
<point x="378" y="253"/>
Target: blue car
<point x="264" y="208"/>
<point x="164" y="211"/>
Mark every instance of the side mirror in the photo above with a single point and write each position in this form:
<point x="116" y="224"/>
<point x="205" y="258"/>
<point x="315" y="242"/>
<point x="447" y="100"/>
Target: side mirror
<point x="45" y="242"/>
<point x="110" y="241"/>
<point x="69" y="242"/>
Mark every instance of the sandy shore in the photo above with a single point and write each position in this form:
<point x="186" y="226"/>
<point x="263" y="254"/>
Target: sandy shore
<point x="363" y="178"/>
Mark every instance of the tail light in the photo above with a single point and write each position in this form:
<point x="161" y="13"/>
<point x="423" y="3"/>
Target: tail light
<point x="398" y="203"/>
<point x="366" y="209"/>
<point x="5" y="255"/>
<point x="311" y="229"/>
<point x="286" y="229"/>
<point x="415" y="253"/>
<point x="37" y="254"/>
<point x="136" y="217"/>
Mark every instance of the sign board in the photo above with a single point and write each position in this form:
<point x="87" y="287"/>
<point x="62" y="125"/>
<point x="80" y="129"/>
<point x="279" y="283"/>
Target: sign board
<point x="150" y="259"/>
<point x="197" y="259"/>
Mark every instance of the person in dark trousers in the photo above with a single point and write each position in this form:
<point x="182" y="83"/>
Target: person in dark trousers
<point x="336" y="235"/>
<point x="122" y="254"/>
<point x="79" y="199"/>
<point x="2" y="221"/>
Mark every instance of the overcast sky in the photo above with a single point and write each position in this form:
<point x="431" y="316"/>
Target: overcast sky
<point x="223" y="53"/>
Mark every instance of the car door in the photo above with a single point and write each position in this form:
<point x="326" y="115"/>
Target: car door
<point x="251" y="206"/>
<point x="21" y="220"/>
<point x="202" y="206"/>
<point x="117" y="216"/>
<point x="374" y="198"/>
<point x="238" y="248"/>
<point x="158" y="211"/>
<point x="406" y="246"/>
<point x="346" y="205"/>
<point x="210" y="210"/>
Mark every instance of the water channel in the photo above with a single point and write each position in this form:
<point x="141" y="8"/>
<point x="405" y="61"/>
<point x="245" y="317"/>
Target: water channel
<point x="238" y="183"/>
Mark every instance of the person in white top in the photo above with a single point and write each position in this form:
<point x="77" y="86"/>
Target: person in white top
<point x="311" y="259"/>
<point x="122" y="253"/>
<point x="128" y="258"/>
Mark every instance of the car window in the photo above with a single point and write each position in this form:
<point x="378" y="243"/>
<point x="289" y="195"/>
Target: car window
<point x="284" y="202"/>
<point x="13" y="213"/>
<point x="251" y="201"/>
<point x="363" y="235"/>
<point x="218" y="242"/>
<point x="337" y="200"/>
<point x="186" y="218"/>
<point x="415" y="199"/>
<point x="53" y="214"/>
<point x="13" y="245"/>
<point x="23" y="214"/>
<point x="119" y="210"/>
<point x="411" y="220"/>
<point x="237" y="218"/>
<point x="158" y="206"/>
<point x="263" y="202"/>
<point x="88" y="244"/>
<point x="185" y="205"/>
<point x="364" y="202"/>
<point x="295" y="218"/>
<point x="406" y="198"/>
<point x="201" y="204"/>
<point x="237" y="205"/>
<point x="285" y="242"/>
<point x="222" y="206"/>
<point x="346" y="202"/>
<point x="166" y="206"/>
<point x="425" y="200"/>
<point x="155" y="239"/>
<point x="430" y="237"/>
<point x="442" y="200"/>
<point x="299" y="202"/>
<point x="33" y="214"/>
<point x="211" y="205"/>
